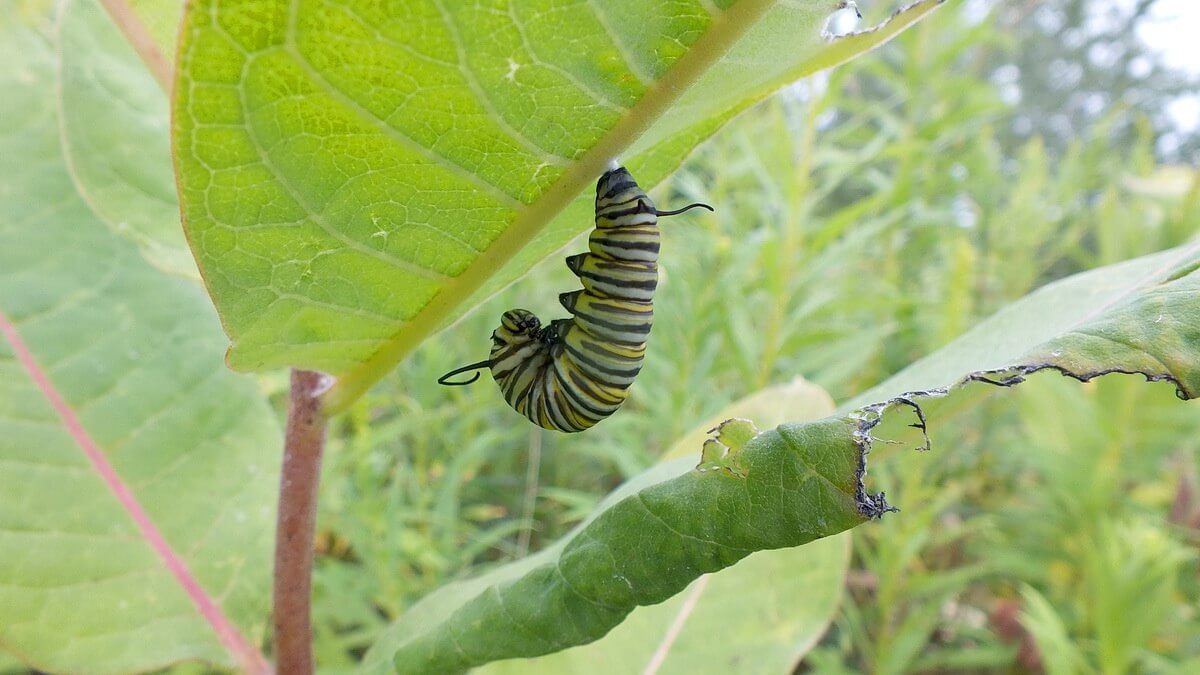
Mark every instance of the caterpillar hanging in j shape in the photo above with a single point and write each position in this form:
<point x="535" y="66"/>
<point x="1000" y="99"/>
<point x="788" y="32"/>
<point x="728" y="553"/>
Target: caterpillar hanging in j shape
<point x="571" y="374"/>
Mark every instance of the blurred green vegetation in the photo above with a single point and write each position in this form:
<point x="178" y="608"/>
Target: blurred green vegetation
<point x="863" y="219"/>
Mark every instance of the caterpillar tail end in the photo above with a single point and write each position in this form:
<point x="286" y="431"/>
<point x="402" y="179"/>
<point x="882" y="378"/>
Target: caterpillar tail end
<point x="474" y="367"/>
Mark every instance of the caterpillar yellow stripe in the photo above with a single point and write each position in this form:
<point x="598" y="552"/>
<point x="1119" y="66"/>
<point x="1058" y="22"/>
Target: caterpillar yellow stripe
<point x="572" y="373"/>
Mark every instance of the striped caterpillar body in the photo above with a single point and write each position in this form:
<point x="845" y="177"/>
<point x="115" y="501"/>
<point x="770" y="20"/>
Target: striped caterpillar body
<point x="574" y="372"/>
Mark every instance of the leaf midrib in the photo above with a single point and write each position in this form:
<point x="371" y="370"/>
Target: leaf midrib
<point x="726" y="29"/>
<point x="209" y="610"/>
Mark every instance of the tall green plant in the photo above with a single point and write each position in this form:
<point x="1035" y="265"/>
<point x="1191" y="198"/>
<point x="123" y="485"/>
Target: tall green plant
<point x="353" y="177"/>
<point x="496" y="123"/>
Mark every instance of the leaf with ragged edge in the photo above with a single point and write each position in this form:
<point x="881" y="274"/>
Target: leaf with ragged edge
<point x="137" y="476"/>
<point x="1140" y="316"/>
<point x="759" y="616"/>
<point x="351" y="173"/>
<point x="800" y="484"/>
<point x="113" y="119"/>
<point x="664" y="566"/>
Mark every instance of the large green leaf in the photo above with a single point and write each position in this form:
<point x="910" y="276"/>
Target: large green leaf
<point x="353" y="172"/>
<point x="113" y="120"/>
<point x="118" y="425"/>
<point x="776" y="624"/>
<point x="1141" y="316"/>
<point x="769" y="609"/>
<point x="782" y="489"/>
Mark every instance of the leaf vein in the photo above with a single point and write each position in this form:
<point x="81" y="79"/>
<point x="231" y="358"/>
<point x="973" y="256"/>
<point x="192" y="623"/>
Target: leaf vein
<point x="631" y="63"/>
<point x="646" y="506"/>
<point x="320" y="222"/>
<point x="571" y="587"/>
<point x="320" y="81"/>
<point x="469" y="76"/>
<point x="585" y="89"/>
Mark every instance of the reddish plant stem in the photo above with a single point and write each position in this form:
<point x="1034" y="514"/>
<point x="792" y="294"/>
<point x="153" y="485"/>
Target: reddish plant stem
<point x="303" y="444"/>
<point x="247" y="656"/>
<point x="139" y="38"/>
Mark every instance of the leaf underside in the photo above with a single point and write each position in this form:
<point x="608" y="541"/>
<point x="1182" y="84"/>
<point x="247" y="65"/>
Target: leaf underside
<point x="1142" y="316"/>
<point x="136" y="354"/>
<point x="353" y="173"/>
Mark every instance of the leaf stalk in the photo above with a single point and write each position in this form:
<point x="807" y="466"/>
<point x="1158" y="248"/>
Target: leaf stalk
<point x="304" y="444"/>
<point x="139" y="38"/>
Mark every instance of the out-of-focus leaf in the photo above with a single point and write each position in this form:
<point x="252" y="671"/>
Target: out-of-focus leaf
<point x="353" y="173"/>
<point x="1166" y="181"/>
<point x="1059" y="654"/>
<point x="9" y="665"/>
<point x="767" y="610"/>
<point x="135" y="356"/>
<point x="113" y="118"/>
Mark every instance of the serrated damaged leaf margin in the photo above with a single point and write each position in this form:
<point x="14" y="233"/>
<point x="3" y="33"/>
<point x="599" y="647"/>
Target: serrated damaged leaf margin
<point x="480" y="631"/>
<point x="869" y="417"/>
<point x="1153" y="332"/>
<point x="1152" y="329"/>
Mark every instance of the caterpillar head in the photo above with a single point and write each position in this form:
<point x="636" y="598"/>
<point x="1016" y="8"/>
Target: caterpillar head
<point x="518" y="336"/>
<point x="518" y="325"/>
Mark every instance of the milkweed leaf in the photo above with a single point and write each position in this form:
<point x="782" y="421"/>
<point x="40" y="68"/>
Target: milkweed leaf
<point x="355" y="175"/>
<point x="113" y="125"/>
<point x="665" y="528"/>
<point x="136" y="471"/>
<point x="759" y="616"/>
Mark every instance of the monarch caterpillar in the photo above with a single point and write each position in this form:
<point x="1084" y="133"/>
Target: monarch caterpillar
<point x="571" y="374"/>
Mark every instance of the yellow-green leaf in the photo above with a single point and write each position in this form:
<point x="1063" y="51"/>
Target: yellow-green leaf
<point x="354" y="174"/>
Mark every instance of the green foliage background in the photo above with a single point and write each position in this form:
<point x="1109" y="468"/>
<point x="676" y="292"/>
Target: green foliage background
<point x="865" y="219"/>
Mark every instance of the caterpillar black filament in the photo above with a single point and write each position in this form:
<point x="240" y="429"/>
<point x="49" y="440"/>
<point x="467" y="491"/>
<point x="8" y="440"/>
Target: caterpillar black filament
<point x="571" y="374"/>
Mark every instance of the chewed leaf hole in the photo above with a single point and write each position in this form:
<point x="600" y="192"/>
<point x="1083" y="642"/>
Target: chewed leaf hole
<point x="723" y="451"/>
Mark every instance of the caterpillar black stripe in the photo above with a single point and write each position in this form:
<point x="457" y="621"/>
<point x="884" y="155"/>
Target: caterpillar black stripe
<point x="571" y="374"/>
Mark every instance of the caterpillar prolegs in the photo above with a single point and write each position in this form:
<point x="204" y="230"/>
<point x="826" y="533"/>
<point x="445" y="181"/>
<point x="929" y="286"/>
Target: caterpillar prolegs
<point x="574" y="372"/>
